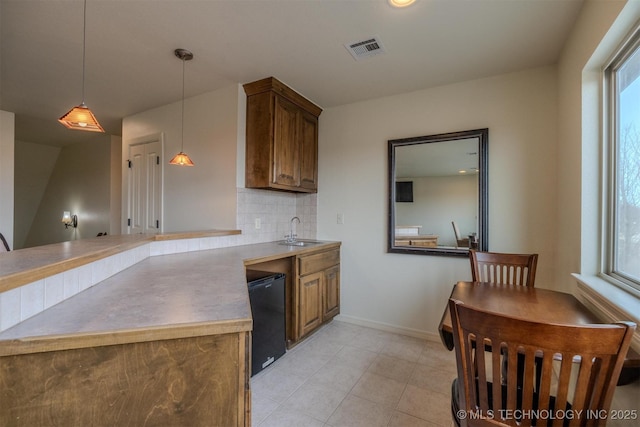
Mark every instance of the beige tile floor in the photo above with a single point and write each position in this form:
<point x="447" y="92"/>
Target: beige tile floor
<point x="348" y="375"/>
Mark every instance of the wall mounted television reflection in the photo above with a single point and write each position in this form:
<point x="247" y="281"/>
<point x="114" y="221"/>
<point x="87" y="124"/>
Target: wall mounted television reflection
<point x="404" y="191"/>
<point x="448" y="174"/>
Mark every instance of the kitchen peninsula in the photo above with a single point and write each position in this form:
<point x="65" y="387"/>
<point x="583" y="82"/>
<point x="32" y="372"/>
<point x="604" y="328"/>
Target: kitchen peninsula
<point x="165" y="341"/>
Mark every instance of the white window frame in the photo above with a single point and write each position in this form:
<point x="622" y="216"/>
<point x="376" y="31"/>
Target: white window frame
<point x="609" y="178"/>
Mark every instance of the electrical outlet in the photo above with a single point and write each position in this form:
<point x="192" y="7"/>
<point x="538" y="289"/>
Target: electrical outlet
<point x="340" y="218"/>
<point x="257" y="223"/>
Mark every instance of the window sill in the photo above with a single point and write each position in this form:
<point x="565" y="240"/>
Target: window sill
<point x="609" y="302"/>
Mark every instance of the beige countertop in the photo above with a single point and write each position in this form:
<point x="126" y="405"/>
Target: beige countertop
<point x="161" y="297"/>
<point x="23" y="266"/>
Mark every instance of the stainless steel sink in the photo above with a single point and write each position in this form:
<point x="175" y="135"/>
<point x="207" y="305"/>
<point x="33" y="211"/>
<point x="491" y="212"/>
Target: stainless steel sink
<point x="299" y="243"/>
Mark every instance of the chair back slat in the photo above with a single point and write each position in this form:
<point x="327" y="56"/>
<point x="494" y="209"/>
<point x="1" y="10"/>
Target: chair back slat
<point x="528" y="381"/>
<point x="564" y="380"/>
<point x="515" y="372"/>
<point x="511" y="380"/>
<point x="481" y="366"/>
<point x="544" y="392"/>
<point x="503" y="268"/>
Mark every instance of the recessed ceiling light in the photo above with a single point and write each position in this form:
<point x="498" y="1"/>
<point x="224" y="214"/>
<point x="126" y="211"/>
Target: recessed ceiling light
<point x="401" y="3"/>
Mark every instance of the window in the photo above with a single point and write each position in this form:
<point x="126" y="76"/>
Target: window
<point x="622" y="190"/>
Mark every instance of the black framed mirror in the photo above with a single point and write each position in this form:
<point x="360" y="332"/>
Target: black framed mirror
<point x="438" y="193"/>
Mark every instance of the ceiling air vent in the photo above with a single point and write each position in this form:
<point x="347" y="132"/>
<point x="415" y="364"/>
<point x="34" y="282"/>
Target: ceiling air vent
<point x="365" y="48"/>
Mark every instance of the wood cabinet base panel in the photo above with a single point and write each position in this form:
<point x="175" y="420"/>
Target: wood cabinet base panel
<point x="192" y="381"/>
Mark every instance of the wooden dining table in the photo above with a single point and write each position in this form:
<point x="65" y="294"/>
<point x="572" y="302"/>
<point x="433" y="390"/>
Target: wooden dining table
<point x="529" y="303"/>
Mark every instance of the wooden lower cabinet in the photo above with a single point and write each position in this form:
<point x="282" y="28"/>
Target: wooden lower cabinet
<point x="310" y="288"/>
<point x="331" y="295"/>
<point x="318" y="296"/>
<point x="195" y="381"/>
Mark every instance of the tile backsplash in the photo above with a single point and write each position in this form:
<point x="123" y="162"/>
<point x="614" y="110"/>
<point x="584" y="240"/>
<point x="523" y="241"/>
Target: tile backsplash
<point x="273" y="209"/>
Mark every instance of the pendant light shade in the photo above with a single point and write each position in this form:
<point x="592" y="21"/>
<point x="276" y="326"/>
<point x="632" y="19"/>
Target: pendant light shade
<point x="81" y="117"/>
<point x="182" y="159"/>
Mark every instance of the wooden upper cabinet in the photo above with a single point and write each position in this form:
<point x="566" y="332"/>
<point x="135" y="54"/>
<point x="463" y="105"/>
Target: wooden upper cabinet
<point x="282" y="138"/>
<point x="309" y="152"/>
<point x="286" y="146"/>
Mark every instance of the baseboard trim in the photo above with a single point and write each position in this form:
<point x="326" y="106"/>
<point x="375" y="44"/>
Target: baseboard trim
<point x="415" y="333"/>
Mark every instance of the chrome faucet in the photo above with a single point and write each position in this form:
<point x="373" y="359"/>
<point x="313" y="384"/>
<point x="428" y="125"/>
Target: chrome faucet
<point x="292" y="237"/>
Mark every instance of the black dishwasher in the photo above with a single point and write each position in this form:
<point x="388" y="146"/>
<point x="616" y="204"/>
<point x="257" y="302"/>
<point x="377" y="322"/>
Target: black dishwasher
<point x="266" y="293"/>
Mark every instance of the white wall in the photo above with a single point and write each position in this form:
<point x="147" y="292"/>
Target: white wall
<point x="578" y="148"/>
<point x="409" y="292"/>
<point x="115" y="186"/>
<point x="599" y="30"/>
<point x="7" y="128"/>
<point x="79" y="183"/>
<point x="34" y="164"/>
<point x="211" y="194"/>
<point x="204" y="196"/>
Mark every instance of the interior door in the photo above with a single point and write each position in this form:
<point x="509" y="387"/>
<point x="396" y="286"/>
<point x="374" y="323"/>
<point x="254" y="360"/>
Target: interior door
<point x="145" y="188"/>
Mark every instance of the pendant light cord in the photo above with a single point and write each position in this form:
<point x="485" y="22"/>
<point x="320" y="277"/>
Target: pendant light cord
<point x="181" y="158"/>
<point x="84" y="43"/>
<point x="182" y="125"/>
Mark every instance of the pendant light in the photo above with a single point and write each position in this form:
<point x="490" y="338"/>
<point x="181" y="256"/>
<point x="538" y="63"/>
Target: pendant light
<point x="182" y="159"/>
<point x="81" y="117"/>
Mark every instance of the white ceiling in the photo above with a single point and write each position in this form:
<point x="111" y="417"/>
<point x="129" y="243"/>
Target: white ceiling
<point x="130" y="65"/>
<point x="444" y="158"/>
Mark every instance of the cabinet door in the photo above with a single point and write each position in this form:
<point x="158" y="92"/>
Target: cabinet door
<point x="331" y="293"/>
<point x="309" y="151"/>
<point x="286" y="152"/>
<point x="310" y="315"/>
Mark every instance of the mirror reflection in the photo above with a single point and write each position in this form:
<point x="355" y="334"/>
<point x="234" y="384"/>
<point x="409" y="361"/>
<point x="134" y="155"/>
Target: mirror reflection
<point x="438" y="193"/>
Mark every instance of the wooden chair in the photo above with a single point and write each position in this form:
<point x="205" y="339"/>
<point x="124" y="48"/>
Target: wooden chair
<point x="460" y="242"/>
<point x="515" y="269"/>
<point x="533" y="372"/>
